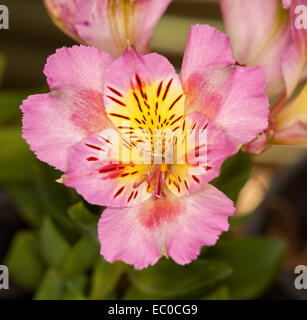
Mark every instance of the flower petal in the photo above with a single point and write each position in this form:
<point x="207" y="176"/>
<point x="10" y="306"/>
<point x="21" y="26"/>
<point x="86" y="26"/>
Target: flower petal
<point x="63" y="14"/>
<point x="291" y="121"/>
<point x="174" y="227"/>
<point x="48" y="131"/>
<point x="110" y="25"/>
<point x="53" y="123"/>
<point x="229" y="95"/>
<point x="77" y="67"/>
<point x="258" y="44"/>
<point x="247" y="35"/>
<point x="144" y="94"/>
<point x="205" y="149"/>
<point x="97" y="171"/>
<point x="295" y="58"/>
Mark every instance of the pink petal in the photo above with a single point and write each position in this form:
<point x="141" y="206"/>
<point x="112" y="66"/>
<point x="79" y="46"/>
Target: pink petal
<point x="294" y="60"/>
<point x="150" y="68"/>
<point x="286" y="3"/>
<point x="63" y="14"/>
<point x="206" y="149"/>
<point x="110" y="25"/>
<point x="48" y="131"/>
<point x="258" y="44"/>
<point x="98" y="173"/>
<point x="144" y="91"/>
<point x="229" y="95"/>
<point x="78" y="67"/>
<point x="291" y="121"/>
<point x="241" y="19"/>
<point x="295" y="135"/>
<point x="53" y="123"/>
<point x="175" y="227"/>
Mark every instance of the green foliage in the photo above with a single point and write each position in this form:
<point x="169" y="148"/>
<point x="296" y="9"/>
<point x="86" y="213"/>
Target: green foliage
<point x="28" y="206"/>
<point x="84" y="219"/>
<point x="52" y="286"/>
<point x="10" y="102"/>
<point x="255" y="262"/>
<point x="80" y="258"/>
<point x="169" y="280"/>
<point x="235" y="172"/>
<point x="55" y="198"/>
<point x="220" y="293"/>
<point x="24" y="260"/>
<point x="16" y="160"/>
<point x="105" y="278"/>
<point x="53" y="246"/>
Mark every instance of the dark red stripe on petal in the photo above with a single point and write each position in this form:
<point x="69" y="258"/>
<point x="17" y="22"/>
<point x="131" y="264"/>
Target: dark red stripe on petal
<point x="140" y="85"/>
<point x="119" y="192"/>
<point x="93" y="147"/>
<point x="115" y="91"/>
<point x="138" y="80"/>
<point x="92" y="159"/>
<point x="128" y="128"/>
<point x="176" y="120"/>
<point x="186" y="185"/>
<point x="173" y="104"/>
<point x="107" y="169"/>
<point x="159" y="89"/>
<point x="138" y="101"/>
<point x="119" y="116"/>
<point x="117" y="101"/>
<point x="167" y="89"/>
<point x="195" y="179"/>
<point x="130" y="197"/>
<point x="106" y="140"/>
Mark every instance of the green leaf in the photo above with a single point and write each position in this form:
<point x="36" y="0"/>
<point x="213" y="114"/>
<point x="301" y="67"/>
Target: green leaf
<point x="220" y="293"/>
<point x="24" y="261"/>
<point x="55" y="198"/>
<point x="75" y="287"/>
<point x="133" y="294"/>
<point x="16" y="159"/>
<point x="52" y="286"/>
<point x="255" y="262"/>
<point x="54" y="248"/>
<point x="169" y="280"/>
<point x="84" y="219"/>
<point x="28" y="206"/>
<point x="235" y="172"/>
<point x="105" y="278"/>
<point x="80" y="258"/>
<point x="10" y="102"/>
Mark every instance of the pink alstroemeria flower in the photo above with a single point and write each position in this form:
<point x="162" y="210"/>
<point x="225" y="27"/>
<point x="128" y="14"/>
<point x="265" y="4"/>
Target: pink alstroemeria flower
<point x="109" y="25"/>
<point x="279" y="45"/>
<point x="152" y="209"/>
